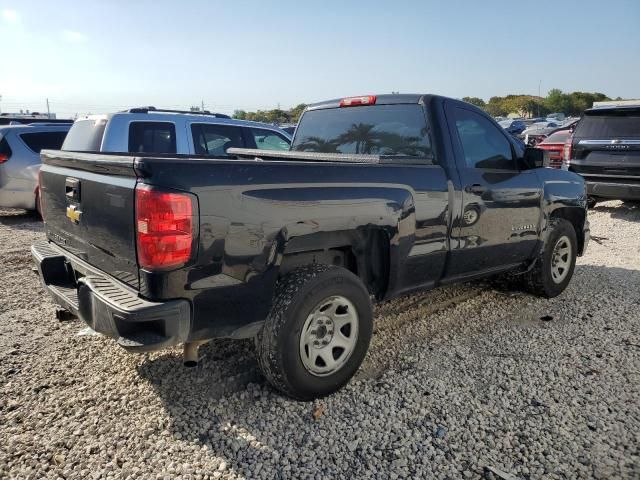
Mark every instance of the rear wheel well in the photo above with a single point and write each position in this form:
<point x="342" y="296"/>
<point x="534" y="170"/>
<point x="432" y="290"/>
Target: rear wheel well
<point x="576" y="217"/>
<point x="365" y="252"/>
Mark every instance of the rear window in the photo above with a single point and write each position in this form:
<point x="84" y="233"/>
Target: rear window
<point x="612" y="124"/>
<point x="43" y="140"/>
<point x="85" y="136"/>
<point x="152" y="137"/>
<point x="372" y="129"/>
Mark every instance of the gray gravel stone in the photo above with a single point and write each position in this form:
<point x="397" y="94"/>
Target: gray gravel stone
<point x="528" y="397"/>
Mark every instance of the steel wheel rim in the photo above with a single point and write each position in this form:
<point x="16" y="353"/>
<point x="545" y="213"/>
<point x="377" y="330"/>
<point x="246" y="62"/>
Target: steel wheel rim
<point x="329" y="336"/>
<point x="561" y="259"/>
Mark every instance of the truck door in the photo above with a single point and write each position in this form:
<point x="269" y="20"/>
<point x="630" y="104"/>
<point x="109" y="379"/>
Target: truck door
<point x="500" y="212"/>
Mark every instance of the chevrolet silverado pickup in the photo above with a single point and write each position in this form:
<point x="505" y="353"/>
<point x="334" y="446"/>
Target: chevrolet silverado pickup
<point x="378" y="196"/>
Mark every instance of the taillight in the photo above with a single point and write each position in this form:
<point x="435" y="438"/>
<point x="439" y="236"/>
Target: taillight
<point x="4" y="157"/>
<point x="353" y="101"/>
<point x="567" y="151"/>
<point x="164" y="226"/>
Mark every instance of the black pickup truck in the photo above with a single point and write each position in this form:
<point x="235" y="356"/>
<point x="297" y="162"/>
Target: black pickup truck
<point x="379" y="196"/>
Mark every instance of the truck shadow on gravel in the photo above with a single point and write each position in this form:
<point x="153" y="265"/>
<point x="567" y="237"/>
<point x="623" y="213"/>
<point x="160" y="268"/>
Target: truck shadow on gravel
<point x="21" y="220"/>
<point x="628" y="211"/>
<point x="224" y="403"/>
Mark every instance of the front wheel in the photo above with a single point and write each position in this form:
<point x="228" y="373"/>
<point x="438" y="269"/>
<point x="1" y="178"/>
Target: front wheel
<point x="317" y="333"/>
<point x="554" y="268"/>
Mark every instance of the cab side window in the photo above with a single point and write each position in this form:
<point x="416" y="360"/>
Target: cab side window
<point x="268" y="139"/>
<point x="211" y="139"/>
<point x="152" y="137"/>
<point x="483" y="144"/>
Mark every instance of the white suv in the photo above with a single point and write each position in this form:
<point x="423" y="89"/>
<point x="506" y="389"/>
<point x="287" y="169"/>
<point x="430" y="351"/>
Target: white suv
<point x="154" y="131"/>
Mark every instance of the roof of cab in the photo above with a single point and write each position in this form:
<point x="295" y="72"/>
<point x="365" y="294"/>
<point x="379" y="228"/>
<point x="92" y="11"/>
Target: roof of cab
<point x="385" y="99"/>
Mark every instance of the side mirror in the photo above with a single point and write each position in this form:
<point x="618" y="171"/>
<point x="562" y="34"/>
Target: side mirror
<point x="535" y="158"/>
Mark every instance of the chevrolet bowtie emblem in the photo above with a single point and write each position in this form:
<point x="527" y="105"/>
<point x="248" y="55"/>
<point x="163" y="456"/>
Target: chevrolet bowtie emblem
<point x="73" y="213"/>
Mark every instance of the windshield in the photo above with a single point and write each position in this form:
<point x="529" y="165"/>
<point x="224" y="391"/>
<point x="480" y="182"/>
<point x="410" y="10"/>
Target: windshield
<point x="399" y="129"/>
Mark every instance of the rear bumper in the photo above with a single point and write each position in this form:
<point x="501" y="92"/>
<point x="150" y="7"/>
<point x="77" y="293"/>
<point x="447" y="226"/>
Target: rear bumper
<point x="619" y="191"/>
<point x="108" y="306"/>
<point x="18" y="194"/>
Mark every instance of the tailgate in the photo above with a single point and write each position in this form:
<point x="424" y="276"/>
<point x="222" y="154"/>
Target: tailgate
<point x="88" y="207"/>
<point x="606" y="143"/>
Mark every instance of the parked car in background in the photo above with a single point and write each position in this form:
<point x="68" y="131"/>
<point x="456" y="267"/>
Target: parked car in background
<point x="514" y="127"/>
<point x="20" y="147"/>
<point x="152" y="130"/>
<point x="605" y="150"/>
<point x="554" y="146"/>
<point x="13" y="119"/>
<point x="556" y="117"/>
<point x="538" y="131"/>
<point x="533" y="136"/>
<point x="290" y="129"/>
<point x="379" y="196"/>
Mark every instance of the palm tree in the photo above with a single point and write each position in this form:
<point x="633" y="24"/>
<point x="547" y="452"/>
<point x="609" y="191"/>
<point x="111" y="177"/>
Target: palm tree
<point x="362" y="135"/>
<point x="317" y="144"/>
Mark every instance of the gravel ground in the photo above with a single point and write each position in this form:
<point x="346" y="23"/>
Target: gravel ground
<point x="461" y="382"/>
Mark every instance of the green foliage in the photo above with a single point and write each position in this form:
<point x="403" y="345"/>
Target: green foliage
<point x="276" y="115"/>
<point x="571" y="104"/>
<point x="478" y="102"/>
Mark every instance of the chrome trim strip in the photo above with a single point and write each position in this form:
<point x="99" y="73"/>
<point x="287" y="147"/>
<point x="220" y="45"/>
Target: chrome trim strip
<point x="609" y="142"/>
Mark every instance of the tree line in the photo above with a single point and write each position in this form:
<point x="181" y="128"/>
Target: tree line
<point x="277" y="116"/>
<point x="571" y="104"/>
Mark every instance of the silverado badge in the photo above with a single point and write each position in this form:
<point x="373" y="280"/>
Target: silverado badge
<point x="73" y="214"/>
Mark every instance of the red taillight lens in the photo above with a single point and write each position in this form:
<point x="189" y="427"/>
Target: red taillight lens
<point x="567" y="151"/>
<point x="3" y="157"/>
<point x="164" y="224"/>
<point x="353" y="101"/>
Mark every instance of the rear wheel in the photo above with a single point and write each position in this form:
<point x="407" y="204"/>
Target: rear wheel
<point x="317" y="332"/>
<point x="554" y="268"/>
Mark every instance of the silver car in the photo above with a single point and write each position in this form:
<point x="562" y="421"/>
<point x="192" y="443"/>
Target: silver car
<point x="20" y="147"/>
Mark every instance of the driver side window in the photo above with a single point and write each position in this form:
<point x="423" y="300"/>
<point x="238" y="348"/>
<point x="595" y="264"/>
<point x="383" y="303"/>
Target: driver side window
<point x="484" y="146"/>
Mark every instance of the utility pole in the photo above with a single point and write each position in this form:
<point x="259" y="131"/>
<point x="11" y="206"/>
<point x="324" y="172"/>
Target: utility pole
<point x="539" y="85"/>
<point x="202" y="105"/>
<point x="48" y="112"/>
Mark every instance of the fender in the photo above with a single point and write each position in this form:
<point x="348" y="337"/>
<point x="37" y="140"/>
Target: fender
<point x="564" y="195"/>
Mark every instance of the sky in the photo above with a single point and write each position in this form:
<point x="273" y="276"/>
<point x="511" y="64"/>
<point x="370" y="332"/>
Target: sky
<point x="102" y="56"/>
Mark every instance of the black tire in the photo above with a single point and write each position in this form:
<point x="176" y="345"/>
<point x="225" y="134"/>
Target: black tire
<point x="278" y="343"/>
<point x="539" y="280"/>
<point x="592" y="202"/>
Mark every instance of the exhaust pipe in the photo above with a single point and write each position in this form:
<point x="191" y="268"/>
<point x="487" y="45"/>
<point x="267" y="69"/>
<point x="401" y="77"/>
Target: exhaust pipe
<point x="190" y="354"/>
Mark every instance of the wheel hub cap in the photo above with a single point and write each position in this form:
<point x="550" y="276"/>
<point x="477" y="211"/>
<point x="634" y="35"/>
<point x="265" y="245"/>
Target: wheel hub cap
<point x="329" y="336"/>
<point x="561" y="259"/>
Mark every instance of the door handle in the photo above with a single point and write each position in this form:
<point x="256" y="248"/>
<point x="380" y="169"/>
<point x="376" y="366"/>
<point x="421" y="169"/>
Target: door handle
<point x="72" y="188"/>
<point x="475" y="188"/>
